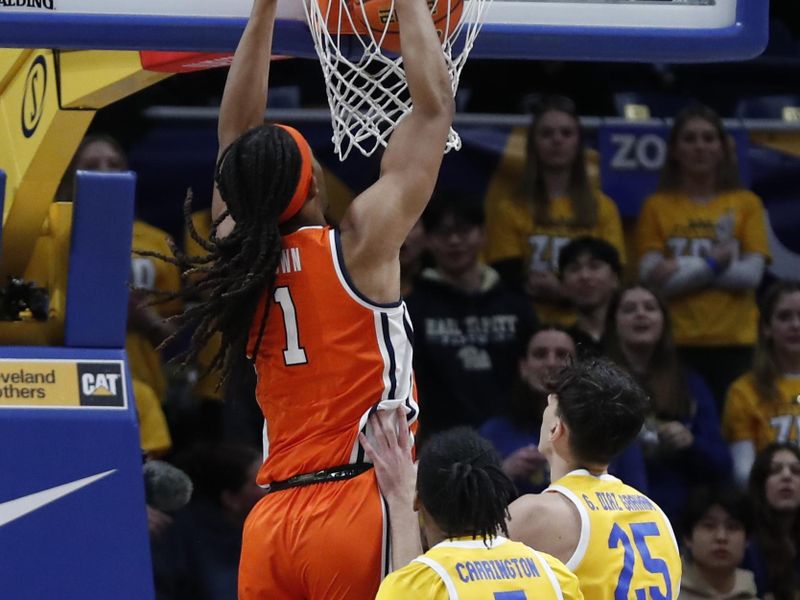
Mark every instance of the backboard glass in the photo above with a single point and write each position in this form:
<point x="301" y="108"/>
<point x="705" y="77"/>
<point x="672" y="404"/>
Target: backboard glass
<point x="620" y="30"/>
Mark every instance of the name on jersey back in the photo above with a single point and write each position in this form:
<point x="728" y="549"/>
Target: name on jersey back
<point x="495" y="570"/>
<point x="290" y="261"/>
<point x="618" y="502"/>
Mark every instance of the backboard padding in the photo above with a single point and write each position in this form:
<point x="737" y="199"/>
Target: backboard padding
<point x="621" y="30"/>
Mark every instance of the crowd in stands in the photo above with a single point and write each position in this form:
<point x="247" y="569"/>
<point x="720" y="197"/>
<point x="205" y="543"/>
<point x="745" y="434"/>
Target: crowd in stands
<point x="503" y="293"/>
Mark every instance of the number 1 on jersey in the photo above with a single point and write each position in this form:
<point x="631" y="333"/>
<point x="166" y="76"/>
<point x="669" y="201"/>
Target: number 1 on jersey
<point x="293" y="353"/>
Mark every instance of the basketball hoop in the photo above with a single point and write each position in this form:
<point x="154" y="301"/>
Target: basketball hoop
<point x="366" y="84"/>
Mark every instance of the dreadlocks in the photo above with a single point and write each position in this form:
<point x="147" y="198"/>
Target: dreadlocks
<point x="256" y="177"/>
<point x="462" y="486"/>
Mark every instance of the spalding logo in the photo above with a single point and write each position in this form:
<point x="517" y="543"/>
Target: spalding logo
<point x="33" y="99"/>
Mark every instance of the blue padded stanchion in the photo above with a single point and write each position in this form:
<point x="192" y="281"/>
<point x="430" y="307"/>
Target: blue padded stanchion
<point x="72" y="507"/>
<point x="100" y="259"/>
<point x="73" y="522"/>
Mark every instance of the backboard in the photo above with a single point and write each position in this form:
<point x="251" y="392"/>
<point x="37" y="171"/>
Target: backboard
<point x="616" y="30"/>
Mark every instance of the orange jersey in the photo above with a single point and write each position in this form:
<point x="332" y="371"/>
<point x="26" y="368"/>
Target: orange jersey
<point x="326" y="359"/>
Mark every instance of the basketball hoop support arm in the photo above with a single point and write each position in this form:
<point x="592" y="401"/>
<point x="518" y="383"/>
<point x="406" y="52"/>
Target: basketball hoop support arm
<point x="47" y="102"/>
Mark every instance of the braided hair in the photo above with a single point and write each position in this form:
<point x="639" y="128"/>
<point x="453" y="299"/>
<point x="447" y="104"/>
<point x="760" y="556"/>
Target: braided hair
<point x="462" y="486"/>
<point x="256" y="177"/>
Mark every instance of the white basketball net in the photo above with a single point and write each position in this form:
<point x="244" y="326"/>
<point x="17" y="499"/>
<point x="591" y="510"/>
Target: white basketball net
<point x="367" y="90"/>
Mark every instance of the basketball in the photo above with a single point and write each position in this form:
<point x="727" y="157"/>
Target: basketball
<point x="377" y="17"/>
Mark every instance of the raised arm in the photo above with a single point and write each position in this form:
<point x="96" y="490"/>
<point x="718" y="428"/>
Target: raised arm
<point x="245" y="97"/>
<point x="379" y="219"/>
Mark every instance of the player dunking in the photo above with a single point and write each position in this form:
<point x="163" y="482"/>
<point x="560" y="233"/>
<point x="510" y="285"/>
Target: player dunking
<point x="319" y="312"/>
<point x="616" y="540"/>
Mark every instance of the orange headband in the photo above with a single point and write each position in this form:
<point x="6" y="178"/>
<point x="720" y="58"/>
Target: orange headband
<point x="306" y="174"/>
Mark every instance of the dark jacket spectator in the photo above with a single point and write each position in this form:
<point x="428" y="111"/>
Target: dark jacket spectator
<point x="590" y="271"/>
<point x="468" y="327"/>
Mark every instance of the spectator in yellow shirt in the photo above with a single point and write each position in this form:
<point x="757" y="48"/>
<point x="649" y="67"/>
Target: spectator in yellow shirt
<point x="763" y="406"/>
<point x="555" y="204"/>
<point x="702" y="242"/>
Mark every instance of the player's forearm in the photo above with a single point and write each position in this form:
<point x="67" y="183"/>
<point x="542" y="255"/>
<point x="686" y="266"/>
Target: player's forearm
<point x="423" y="60"/>
<point x="245" y="97"/>
<point x="406" y="542"/>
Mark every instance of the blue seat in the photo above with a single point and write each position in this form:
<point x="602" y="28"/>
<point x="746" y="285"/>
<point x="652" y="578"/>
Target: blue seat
<point x="661" y="104"/>
<point x="765" y="107"/>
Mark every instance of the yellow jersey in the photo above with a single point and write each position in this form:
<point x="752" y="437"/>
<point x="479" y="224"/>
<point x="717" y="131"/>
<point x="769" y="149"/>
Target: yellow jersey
<point x="151" y="274"/>
<point x="627" y="549"/>
<point x="748" y="417"/>
<point x="512" y="233"/>
<point x="674" y="225"/>
<point x="154" y="437"/>
<point x="470" y="569"/>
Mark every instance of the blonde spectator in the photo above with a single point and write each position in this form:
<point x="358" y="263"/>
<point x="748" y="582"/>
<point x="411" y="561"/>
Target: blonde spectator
<point x="555" y="204"/>
<point x="702" y="242"/>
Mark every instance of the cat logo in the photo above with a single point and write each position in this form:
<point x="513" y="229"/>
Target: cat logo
<point x="101" y="384"/>
<point x="33" y="98"/>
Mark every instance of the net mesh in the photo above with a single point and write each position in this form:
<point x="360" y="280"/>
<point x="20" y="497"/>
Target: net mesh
<point x="366" y="87"/>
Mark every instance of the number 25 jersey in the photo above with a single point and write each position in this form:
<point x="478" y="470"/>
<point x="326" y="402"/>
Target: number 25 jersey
<point x="627" y="549"/>
<point x="325" y="358"/>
